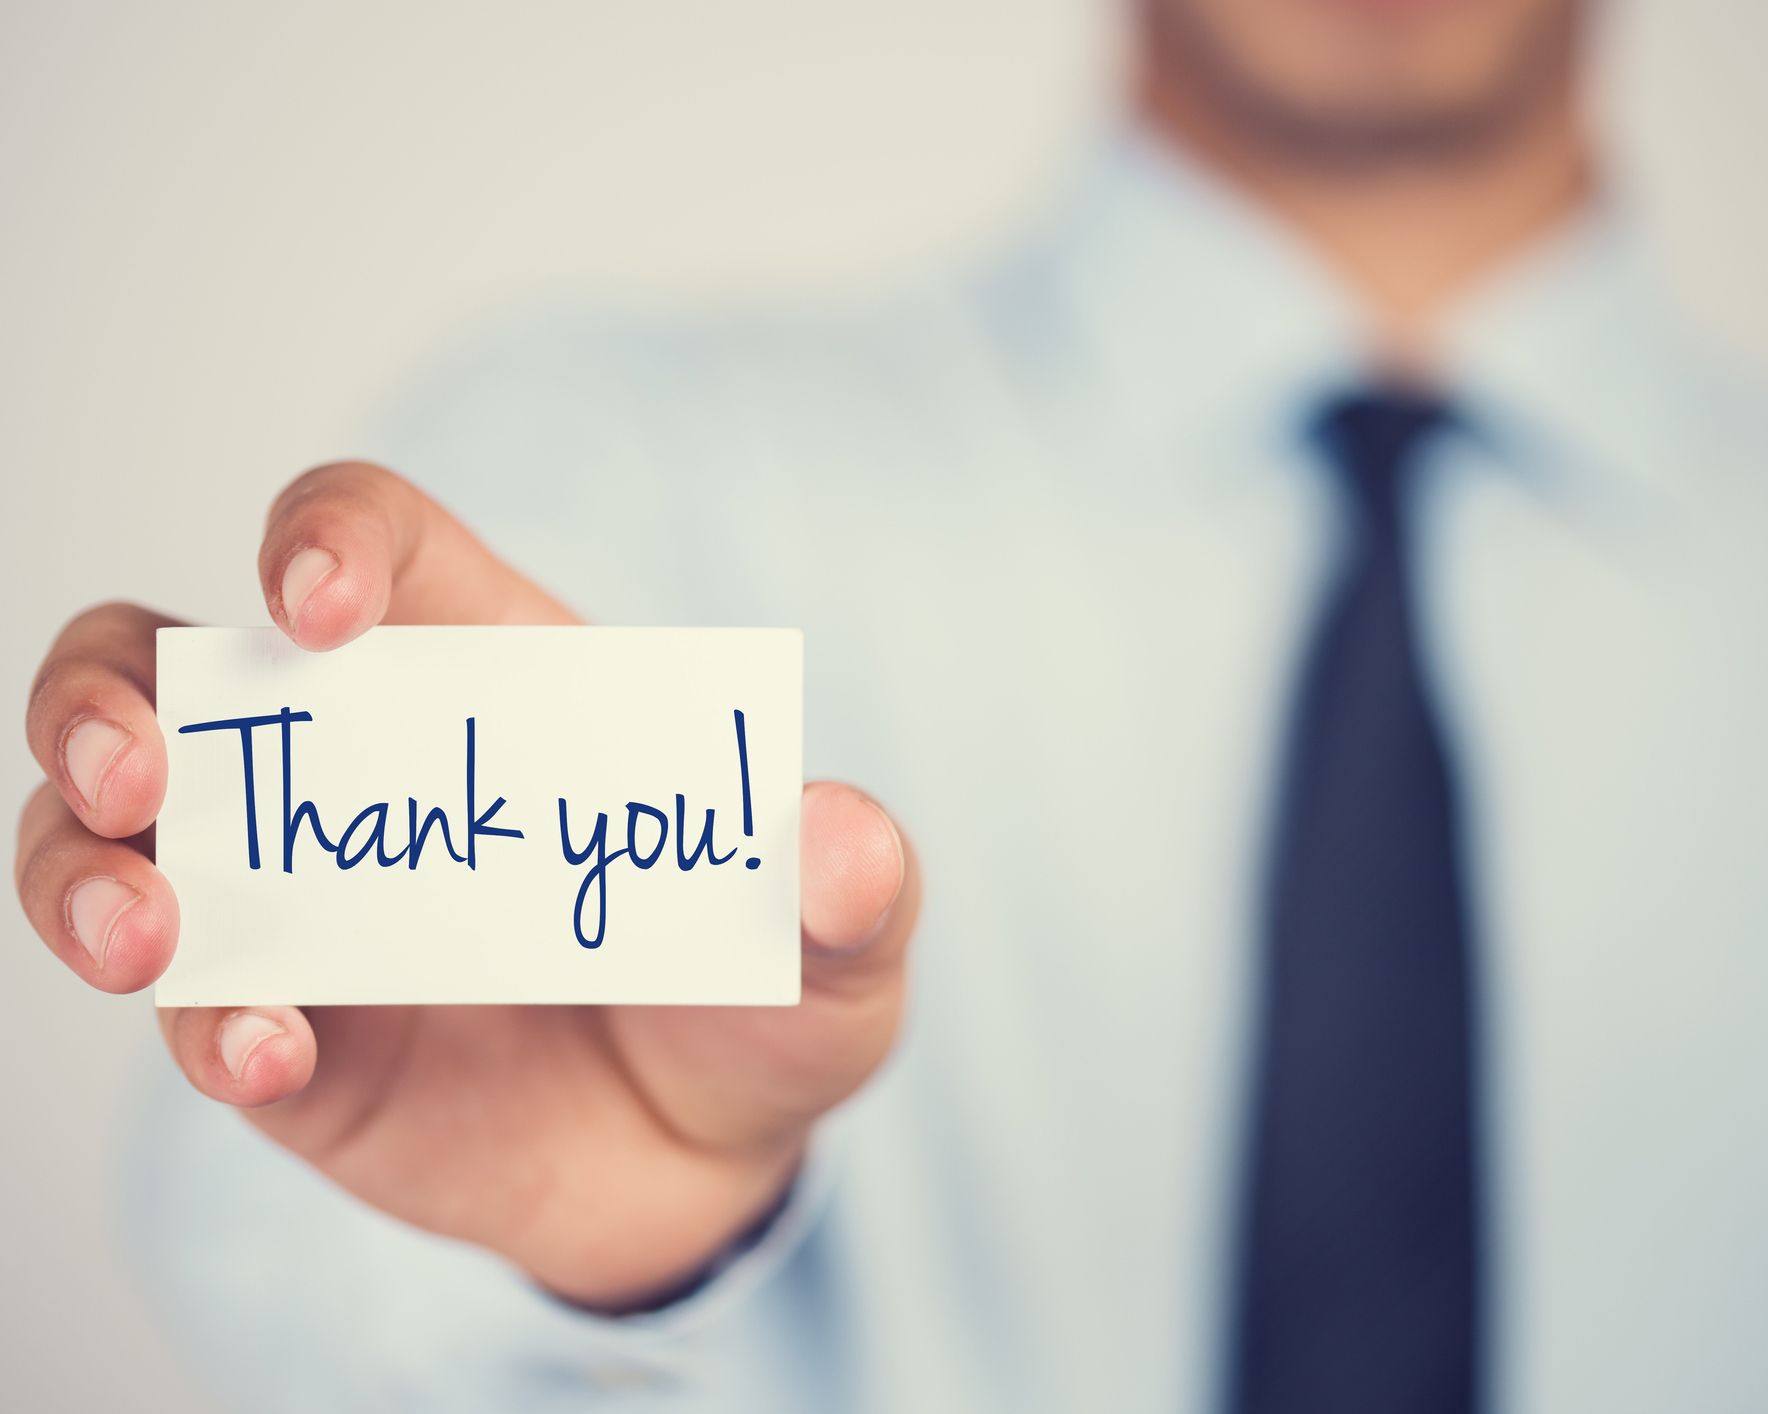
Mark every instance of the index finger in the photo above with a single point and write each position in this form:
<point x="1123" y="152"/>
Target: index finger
<point x="351" y="545"/>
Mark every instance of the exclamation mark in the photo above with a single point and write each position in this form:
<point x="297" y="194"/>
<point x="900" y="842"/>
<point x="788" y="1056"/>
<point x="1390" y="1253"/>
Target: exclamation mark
<point x="748" y="814"/>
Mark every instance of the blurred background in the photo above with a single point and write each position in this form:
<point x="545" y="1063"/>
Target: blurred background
<point x="230" y="233"/>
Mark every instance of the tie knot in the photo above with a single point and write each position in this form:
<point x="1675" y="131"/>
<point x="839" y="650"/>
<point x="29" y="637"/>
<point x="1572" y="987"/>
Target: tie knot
<point x="1372" y="436"/>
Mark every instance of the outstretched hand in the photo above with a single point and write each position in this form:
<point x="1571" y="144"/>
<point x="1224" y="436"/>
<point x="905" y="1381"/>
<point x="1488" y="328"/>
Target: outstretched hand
<point x="608" y="1151"/>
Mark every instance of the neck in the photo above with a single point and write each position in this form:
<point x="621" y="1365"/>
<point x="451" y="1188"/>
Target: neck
<point x="1408" y="231"/>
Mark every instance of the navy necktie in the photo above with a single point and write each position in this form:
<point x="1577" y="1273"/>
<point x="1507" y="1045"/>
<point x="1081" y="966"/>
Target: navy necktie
<point x="1360" y="1269"/>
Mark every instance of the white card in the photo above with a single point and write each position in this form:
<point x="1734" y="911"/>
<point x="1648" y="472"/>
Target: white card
<point x="653" y="776"/>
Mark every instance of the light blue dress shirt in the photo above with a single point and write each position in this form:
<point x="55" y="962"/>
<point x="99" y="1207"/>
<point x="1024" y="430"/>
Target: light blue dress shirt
<point x="1055" y="539"/>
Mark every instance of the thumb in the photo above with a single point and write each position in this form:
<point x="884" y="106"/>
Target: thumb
<point x="351" y="545"/>
<point x="857" y="885"/>
<point x="749" y="1077"/>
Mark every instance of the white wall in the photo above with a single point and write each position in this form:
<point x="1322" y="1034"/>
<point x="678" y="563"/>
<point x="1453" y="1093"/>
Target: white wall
<point x="226" y="230"/>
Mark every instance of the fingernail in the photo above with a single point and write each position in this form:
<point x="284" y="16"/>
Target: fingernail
<point x="844" y="905"/>
<point x="88" y="751"/>
<point x="301" y="578"/>
<point x="902" y="873"/>
<point x="93" y="909"/>
<point x="902" y="858"/>
<point x="241" y="1034"/>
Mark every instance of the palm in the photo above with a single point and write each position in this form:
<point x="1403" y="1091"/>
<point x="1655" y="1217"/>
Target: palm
<point x="510" y="1125"/>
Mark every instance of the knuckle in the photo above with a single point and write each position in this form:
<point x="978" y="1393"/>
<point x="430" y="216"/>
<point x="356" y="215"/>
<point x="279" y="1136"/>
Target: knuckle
<point x="339" y="483"/>
<point x="106" y="643"/>
<point x="63" y="684"/>
<point x="70" y="685"/>
<point x="44" y="865"/>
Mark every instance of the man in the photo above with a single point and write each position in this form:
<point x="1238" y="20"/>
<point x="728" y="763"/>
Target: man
<point x="1318" y="659"/>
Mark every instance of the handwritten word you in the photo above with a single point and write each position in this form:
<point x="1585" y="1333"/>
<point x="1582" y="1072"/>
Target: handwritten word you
<point x="366" y="834"/>
<point x="597" y="848"/>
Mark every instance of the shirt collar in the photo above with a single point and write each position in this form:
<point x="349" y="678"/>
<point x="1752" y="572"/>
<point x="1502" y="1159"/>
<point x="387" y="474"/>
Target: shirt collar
<point x="1200" y="316"/>
<point x="1572" y="364"/>
<point x="1176" y="311"/>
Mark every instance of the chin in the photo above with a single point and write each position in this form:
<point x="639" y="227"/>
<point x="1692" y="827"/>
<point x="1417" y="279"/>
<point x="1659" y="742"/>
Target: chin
<point x="1366" y="77"/>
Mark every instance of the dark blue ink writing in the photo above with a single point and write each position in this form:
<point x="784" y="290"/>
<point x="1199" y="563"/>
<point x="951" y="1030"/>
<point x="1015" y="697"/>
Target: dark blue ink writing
<point x="244" y="726"/>
<point x="597" y="849"/>
<point x="437" y="816"/>
<point x="596" y="878"/>
<point x="743" y="762"/>
<point x="375" y="838"/>
<point x="633" y="811"/>
<point x="366" y="834"/>
<point x="291" y="825"/>
<point x="685" y="862"/>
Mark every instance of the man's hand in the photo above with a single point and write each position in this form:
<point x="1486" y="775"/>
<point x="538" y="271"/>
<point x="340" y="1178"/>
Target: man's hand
<point x="608" y="1151"/>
